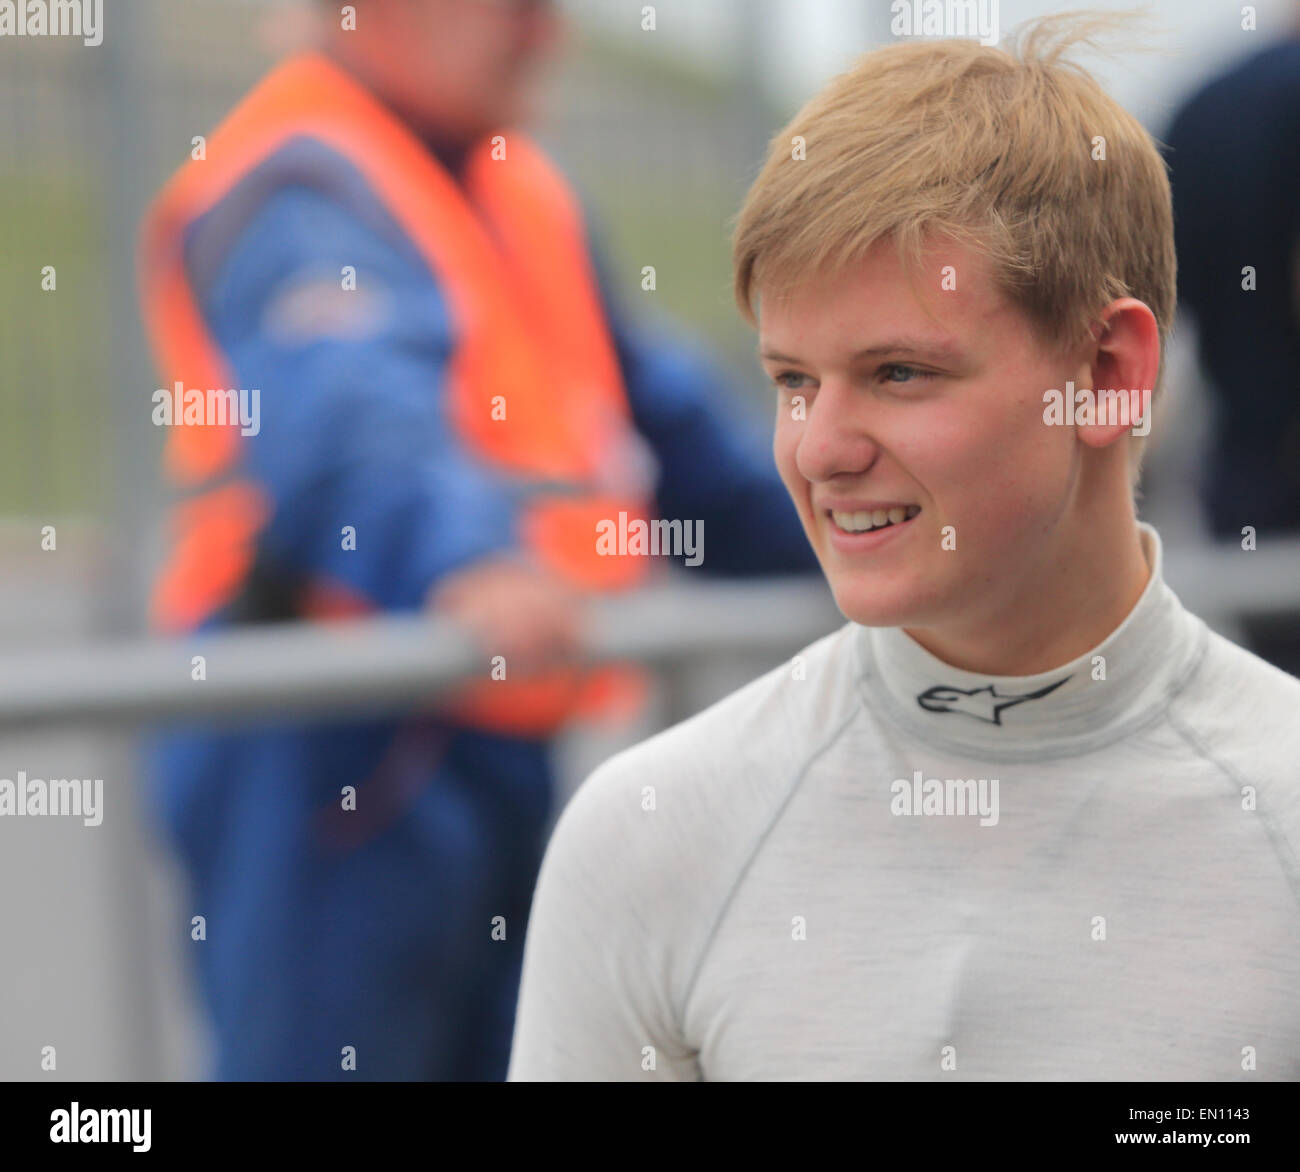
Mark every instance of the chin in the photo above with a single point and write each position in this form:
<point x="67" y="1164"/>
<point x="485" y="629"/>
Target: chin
<point x="863" y="602"/>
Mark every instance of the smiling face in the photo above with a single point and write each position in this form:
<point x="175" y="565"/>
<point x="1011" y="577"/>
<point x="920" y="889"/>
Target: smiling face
<point x="929" y="422"/>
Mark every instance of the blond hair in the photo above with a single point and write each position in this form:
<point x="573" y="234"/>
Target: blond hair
<point x="996" y="149"/>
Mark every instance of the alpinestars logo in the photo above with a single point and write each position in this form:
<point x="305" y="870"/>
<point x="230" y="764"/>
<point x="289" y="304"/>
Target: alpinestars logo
<point x="986" y="703"/>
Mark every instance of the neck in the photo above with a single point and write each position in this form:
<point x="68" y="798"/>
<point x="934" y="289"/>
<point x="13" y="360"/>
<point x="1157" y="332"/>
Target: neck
<point x="1081" y="586"/>
<point x="1062" y="709"/>
<point x="449" y="148"/>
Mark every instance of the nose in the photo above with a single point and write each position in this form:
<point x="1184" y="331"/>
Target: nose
<point x="835" y="438"/>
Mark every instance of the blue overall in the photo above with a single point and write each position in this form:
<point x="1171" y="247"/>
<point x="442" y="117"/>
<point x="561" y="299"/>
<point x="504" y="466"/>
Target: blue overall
<point x="372" y="929"/>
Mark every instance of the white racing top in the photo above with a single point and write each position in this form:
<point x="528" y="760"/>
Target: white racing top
<point x="1101" y="882"/>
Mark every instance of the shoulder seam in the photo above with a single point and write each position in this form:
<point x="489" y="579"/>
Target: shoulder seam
<point x="1286" y="854"/>
<point x="303" y="164"/>
<point x="762" y="837"/>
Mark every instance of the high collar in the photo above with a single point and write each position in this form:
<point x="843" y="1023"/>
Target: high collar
<point x="452" y="153"/>
<point x="1107" y="692"/>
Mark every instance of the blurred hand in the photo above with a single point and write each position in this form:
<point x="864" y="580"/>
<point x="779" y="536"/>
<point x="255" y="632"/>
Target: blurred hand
<point x="514" y="609"/>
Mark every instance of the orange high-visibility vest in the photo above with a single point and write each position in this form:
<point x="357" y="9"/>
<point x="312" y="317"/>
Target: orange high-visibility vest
<point x="509" y="253"/>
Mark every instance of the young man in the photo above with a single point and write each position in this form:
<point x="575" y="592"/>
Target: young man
<point x="1022" y="817"/>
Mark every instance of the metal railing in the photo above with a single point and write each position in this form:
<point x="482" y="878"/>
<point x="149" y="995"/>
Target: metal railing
<point x="379" y="664"/>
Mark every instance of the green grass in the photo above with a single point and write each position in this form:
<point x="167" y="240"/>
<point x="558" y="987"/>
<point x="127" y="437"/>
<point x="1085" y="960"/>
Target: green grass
<point x="54" y="388"/>
<point x="684" y="235"/>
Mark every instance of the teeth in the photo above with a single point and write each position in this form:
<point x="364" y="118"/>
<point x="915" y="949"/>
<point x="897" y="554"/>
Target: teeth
<point x="866" y="520"/>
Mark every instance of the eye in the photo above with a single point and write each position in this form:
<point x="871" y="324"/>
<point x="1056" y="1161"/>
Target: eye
<point x="911" y="373"/>
<point x="780" y="380"/>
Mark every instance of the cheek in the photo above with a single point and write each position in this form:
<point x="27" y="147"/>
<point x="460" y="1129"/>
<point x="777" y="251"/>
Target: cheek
<point x="994" y="469"/>
<point x="785" y="448"/>
<point x="947" y="449"/>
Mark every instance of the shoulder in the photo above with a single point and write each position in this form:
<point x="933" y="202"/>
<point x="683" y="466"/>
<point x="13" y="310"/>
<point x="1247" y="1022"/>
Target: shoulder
<point x="302" y="271"/>
<point x="1235" y="696"/>
<point x="1268" y="70"/>
<point x="697" y="796"/>
<point x="298" y="187"/>
<point x="1243" y="714"/>
<point x="660" y="833"/>
<point x="304" y="239"/>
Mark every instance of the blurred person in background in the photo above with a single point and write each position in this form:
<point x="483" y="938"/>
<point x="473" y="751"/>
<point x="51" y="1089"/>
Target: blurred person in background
<point x="1234" y="152"/>
<point x="449" y="403"/>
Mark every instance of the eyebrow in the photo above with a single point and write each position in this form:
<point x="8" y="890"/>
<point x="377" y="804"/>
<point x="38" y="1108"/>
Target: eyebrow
<point x="911" y="347"/>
